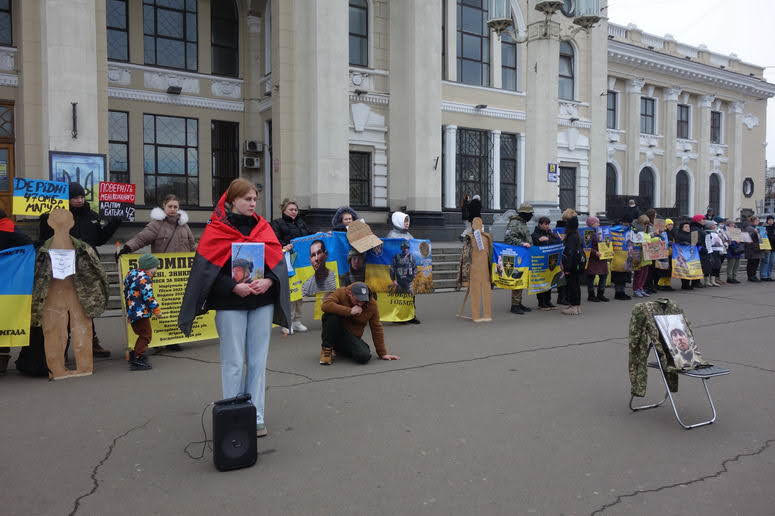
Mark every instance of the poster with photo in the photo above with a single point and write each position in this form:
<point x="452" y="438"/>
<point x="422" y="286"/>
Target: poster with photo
<point x="545" y="267"/>
<point x="686" y="262"/>
<point x="679" y="341"/>
<point x="315" y="261"/>
<point x="510" y="268"/>
<point x="247" y="262"/>
<point x="764" y="241"/>
<point x="400" y="266"/>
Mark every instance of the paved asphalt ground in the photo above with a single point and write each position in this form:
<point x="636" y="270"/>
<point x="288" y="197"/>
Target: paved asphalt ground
<point x="524" y="415"/>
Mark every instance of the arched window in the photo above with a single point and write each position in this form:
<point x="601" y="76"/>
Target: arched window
<point x="714" y="195"/>
<point x="646" y="187"/>
<point x="359" y="33"/>
<point x="682" y="192"/>
<point x="566" y="71"/>
<point x="610" y="180"/>
<point x="225" y="37"/>
<point x="170" y="34"/>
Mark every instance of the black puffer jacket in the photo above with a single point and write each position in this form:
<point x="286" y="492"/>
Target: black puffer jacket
<point x="474" y="210"/>
<point x="87" y="227"/>
<point x="573" y="260"/>
<point x="287" y="229"/>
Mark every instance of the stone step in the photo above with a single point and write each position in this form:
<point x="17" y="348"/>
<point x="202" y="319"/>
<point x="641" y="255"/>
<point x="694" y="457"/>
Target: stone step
<point x="444" y="284"/>
<point x="445" y="266"/>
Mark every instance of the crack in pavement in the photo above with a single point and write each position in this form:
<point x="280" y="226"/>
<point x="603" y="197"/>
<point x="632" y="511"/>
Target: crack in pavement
<point x="686" y="483"/>
<point x="746" y="365"/>
<point x="96" y="483"/>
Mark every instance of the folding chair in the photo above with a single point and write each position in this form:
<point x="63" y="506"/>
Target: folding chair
<point x="704" y="374"/>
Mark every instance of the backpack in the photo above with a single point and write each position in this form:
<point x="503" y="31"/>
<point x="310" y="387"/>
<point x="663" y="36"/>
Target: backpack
<point x="32" y="358"/>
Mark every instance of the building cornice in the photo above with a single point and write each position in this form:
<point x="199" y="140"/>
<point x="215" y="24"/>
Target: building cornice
<point x="177" y="100"/>
<point x="7" y="79"/>
<point x="470" y="109"/>
<point x="370" y="98"/>
<point x="631" y="55"/>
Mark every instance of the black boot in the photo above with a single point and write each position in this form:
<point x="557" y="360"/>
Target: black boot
<point x="601" y="296"/>
<point x="592" y="297"/>
<point x="524" y="308"/>
<point x="515" y="309"/>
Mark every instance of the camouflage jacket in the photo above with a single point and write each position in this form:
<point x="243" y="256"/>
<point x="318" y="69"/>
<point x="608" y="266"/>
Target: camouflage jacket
<point x="643" y="333"/>
<point x="517" y="232"/>
<point x="91" y="283"/>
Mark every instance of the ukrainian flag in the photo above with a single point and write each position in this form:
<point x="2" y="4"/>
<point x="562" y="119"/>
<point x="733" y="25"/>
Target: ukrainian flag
<point x="18" y="266"/>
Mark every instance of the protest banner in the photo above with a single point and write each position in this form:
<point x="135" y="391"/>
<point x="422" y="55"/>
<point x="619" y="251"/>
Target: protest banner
<point x="621" y="247"/>
<point x="545" y="267"/>
<point x="117" y="200"/>
<point x="318" y="260"/>
<point x="35" y="197"/>
<point x="169" y="284"/>
<point x="655" y="250"/>
<point x="510" y="266"/>
<point x="605" y="248"/>
<point x="400" y="266"/>
<point x="686" y="262"/>
<point x="764" y="241"/>
<point x="736" y="234"/>
<point x="18" y="266"/>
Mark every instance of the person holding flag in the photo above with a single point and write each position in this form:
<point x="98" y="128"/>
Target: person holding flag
<point x="245" y="311"/>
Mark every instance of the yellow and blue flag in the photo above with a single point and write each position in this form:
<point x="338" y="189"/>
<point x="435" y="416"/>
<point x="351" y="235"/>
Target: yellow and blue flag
<point x="18" y="266"/>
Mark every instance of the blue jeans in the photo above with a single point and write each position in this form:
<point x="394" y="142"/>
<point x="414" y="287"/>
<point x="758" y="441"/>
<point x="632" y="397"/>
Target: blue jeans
<point x="765" y="266"/>
<point x="244" y="338"/>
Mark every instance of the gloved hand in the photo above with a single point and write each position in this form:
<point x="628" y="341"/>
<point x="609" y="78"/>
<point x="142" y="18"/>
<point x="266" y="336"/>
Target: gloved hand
<point x="125" y="249"/>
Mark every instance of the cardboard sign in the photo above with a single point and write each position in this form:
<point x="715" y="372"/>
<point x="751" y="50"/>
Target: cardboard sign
<point x="36" y="196"/>
<point x="695" y="237"/>
<point x="659" y="226"/>
<point x="655" y="250"/>
<point x="117" y="200"/>
<point x="361" y="237"/>
<point x="735" y="234"/>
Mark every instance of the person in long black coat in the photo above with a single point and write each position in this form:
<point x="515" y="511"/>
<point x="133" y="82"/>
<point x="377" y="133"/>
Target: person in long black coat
<point x="573" y="265"/>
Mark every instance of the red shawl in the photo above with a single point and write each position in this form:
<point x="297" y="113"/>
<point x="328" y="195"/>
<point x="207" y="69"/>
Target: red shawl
<point x="215" y="244"/>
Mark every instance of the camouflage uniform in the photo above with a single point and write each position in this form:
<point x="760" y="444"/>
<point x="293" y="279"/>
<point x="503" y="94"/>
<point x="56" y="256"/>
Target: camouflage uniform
<point x="643" y="332"/>
<point x="402" y="271"/>
<point x="91" y="283"/>
<point x="517" y="233"/>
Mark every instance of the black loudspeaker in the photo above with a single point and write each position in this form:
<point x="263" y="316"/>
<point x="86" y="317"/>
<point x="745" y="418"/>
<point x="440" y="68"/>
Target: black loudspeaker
<point x="234" y="433"/>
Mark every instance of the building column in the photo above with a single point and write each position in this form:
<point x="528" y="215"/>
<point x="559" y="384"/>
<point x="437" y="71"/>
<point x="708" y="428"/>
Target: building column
<point x="630" y="183"/>
<point x="415" y="86"/>
<point x="734" y="181"/>
<point x="495" y="139"/>
<point x="450" y="170"/>
<point x="521" y="170"/>
<point x="598" y="134"/>
<point x="701" y="193"/>
<point x="671" y="131"/>
<point x="450" y="39"/>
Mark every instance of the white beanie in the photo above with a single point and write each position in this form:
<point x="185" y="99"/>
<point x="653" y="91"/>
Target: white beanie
<point x="398" y="219"/>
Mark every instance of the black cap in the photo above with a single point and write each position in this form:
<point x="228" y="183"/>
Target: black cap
<point x="242" y="262"/>
<point x="360" y="291"/>
<point x="76" y="190"/>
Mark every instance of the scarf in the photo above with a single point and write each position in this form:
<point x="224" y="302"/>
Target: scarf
<point x="6" y="224"/>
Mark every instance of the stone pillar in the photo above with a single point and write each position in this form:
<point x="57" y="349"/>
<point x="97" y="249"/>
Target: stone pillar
<point x="733" y="187"/>
<point x="671" y="130"/>
<point x="598" y="135"/>
<point x="632" y="170"/>
<point x="450" y="171"/>
<point x="543" y="61"/>
<point x="450" y="39"/>
<point x="701" y="175"/>
<point x="253" y="126"/>
<point x="495" y="138"/>
<point x="521" y="171"/>
<point x="415" y="86"/>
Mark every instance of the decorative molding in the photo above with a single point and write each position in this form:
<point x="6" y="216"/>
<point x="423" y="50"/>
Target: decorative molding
<point x="635" y="85"/>
<point x="736" y="107"/>
<point x="468" y="109"/>
<point x="163" y="80"/>
<point x="611" y="82"/>
<point x="706" y="101"/>
<point x="671" y="94"/>
<point x="649" y="140"/>
<point x="614" y="135"/>
<point x="750" y="120"/>
<point x="265" y="105"/>
<point x="718" y="149"/>
<point x="650" y="90"/>
<point x="370" y="98"/>
<point x="634" y="56"/>
<point x="179" y="100"/>
<point x="580" y="124"/>
<point x="119" y="75"/>
<point x="254" y="24"/>
<point x="8" y="59"/>
<point x="360" y="80"/>
<point x="227" y="88"/>
<point x="569" y="110"/>
<point x="7" y="79"/>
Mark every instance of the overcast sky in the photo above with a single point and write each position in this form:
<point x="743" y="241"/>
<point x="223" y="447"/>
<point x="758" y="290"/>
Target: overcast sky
<point x="745" y="27"/>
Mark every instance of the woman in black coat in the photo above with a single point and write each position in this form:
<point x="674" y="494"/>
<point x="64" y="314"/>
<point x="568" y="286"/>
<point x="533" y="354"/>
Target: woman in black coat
<point x="573" y="263"/>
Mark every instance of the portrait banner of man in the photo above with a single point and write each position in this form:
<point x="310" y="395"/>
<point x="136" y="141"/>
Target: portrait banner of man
<point x="400" y="266"/>
<point x="680" y="341"/>
<point x="317" y="261"/>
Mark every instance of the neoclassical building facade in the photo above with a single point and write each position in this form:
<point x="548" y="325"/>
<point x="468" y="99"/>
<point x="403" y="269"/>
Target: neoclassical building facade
<point x="378" y="104"/>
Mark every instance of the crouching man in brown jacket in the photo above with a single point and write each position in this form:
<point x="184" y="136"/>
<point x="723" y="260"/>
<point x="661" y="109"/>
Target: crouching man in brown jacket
<point x="346" y="312"/>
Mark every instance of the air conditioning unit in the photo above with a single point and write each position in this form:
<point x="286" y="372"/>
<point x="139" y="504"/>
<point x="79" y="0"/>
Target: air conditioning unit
<point x="253" y="146"/>
<point x="251" y="162"/>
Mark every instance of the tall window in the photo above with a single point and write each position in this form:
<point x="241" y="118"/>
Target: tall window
<point x="224" y="37"/>
<point x="509" y="153"/>
<point x="646" y="187"/>
<point x="118" y="146"/>
<point x="473" y="174"/>
<point x="682" y="192"/>
<point x="610" y="180"/>
<point x="225" y="142"/>
<point x="567" y="188"/>
<point x="714" y="195"/>
<point x="170" y="29"/>
<point x="611" y="99"/>
<point x="171" y="158"/>
<point x="566" y="71"/>
<point x="715" y="127"/>
<point x="6" y="22"/>
<point x="508" y="63"/>
<point x="360" y="179"/>
<point x="473" y="43"/>
<point x="647" y="116"/>
<point x="683" y="121"/>
<point x="359" y="33"/>
<point x="118" y="30"/>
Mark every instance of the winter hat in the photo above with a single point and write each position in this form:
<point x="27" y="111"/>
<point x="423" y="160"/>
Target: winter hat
<point x="669" y="221"/>
<point x="698" y="218"/>
<point x="709" y="224"/>
<point x="719" y="220"/>
<point x="147" y="262"/>
<point x="592" y="220"/>
<point x="76" y="190"/>
<point x="398" y="219"/>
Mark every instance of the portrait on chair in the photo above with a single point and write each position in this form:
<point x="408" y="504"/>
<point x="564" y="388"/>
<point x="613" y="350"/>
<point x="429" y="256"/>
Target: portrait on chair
<point x="679" y="340"/>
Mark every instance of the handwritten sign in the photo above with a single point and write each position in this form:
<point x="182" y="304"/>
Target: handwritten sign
<point x="62" y="262"/>
<point x="655" y="250"/>
<point x="36" y="196"/>
<point x="117" y="200"/>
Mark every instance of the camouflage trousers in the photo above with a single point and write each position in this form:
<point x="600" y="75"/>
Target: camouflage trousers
<point x="516" y="297"/>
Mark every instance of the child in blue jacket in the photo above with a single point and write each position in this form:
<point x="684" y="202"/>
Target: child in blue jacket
<point x="735" y="252"/>
<point x="140" y="307"/>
